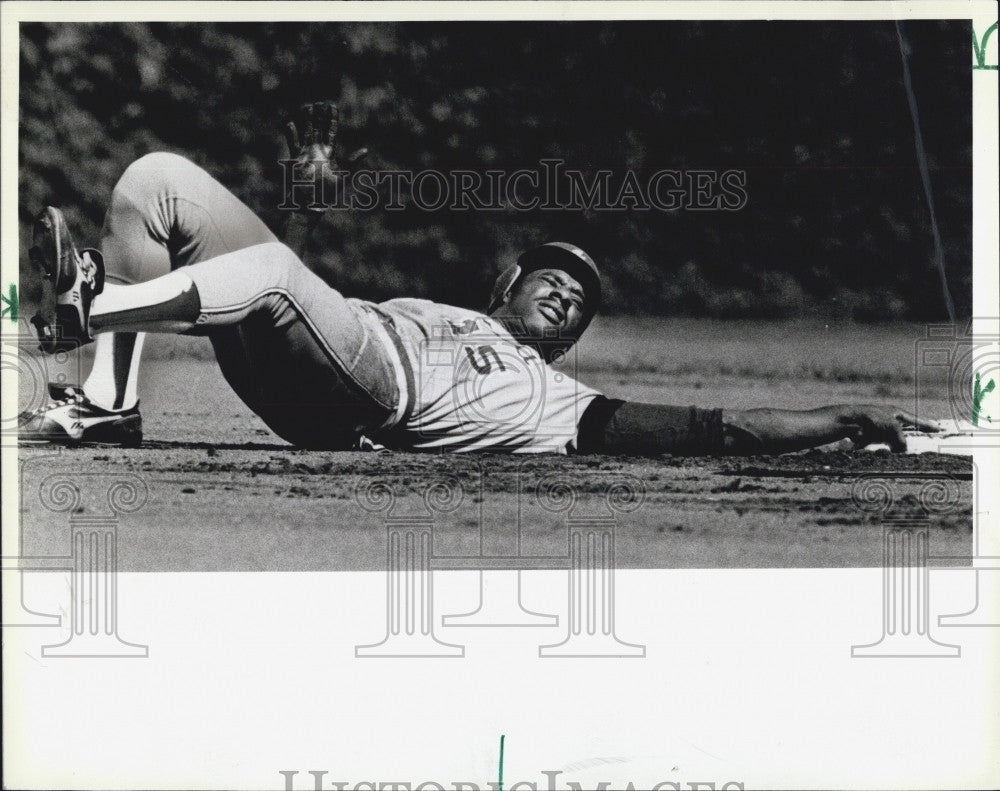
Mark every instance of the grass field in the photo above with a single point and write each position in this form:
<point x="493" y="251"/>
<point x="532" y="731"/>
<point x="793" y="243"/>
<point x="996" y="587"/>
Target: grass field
<point x="226" y="494"/>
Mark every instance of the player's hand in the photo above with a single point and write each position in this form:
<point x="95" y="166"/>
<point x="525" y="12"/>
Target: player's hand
<point x="873" y="425"/>
<point x="312" y="139"/>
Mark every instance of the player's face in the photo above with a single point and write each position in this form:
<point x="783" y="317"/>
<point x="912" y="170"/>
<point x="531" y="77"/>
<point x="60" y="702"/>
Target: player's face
<point x="549" y="302"/>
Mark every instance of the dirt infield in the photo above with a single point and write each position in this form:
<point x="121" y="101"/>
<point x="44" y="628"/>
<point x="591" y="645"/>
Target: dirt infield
<point x="265" y="507"/>
<point x="226" y="494"/>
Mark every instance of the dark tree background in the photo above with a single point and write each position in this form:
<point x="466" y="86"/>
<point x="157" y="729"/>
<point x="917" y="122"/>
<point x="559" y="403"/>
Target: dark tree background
<point x="815" y="112"/>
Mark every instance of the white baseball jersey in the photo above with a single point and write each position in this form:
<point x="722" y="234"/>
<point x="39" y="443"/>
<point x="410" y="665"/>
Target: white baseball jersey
<point x="474" y="387"/>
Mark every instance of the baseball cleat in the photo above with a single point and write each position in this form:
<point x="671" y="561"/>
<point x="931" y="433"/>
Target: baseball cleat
<point x="76" y="278"/>
<point x="73" y="419"/>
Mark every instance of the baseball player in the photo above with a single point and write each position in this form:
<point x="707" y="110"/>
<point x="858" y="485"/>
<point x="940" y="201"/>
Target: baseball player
<point x="181" y="254"/>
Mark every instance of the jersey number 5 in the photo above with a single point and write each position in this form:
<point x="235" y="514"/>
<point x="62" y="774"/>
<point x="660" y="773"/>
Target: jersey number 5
<point x="484" y="364"/>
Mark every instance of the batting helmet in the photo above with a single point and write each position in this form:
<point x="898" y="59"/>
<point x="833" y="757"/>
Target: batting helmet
<point x="554" y="255"/>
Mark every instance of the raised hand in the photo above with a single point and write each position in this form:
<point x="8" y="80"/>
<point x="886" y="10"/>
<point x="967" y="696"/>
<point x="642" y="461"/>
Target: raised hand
<point x="312" y="140"/>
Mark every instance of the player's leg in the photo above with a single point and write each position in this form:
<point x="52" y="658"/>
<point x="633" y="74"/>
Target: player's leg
<point x="113" y="381"/>
<point x="165" y="212"/>
<point x="197" y="219"/>
<point x="317" y="368"/>
<point x="271" y="361"/>
<point x="131" y="255"/>
<point x="168" y="213"/>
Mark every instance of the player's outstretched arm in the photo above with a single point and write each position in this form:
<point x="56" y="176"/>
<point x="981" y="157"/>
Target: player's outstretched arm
<point x="621" y="427"/>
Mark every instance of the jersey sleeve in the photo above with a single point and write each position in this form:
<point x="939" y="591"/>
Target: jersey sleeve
<point x="625" y="427"/>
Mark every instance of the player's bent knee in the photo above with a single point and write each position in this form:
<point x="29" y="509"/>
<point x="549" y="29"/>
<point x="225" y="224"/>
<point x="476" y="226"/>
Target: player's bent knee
<point x="283" y="256"/>
<point x="159" y="162"/>
<point x="270" y="265"/>
<point x="281" y="262"/>
<point x="162" y="168"/>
